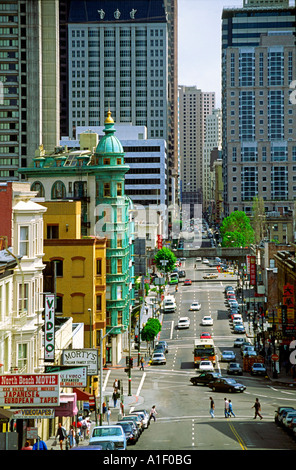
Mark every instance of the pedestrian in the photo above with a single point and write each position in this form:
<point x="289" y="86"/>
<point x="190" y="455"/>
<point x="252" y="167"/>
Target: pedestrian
<point x="27" y="446"/>
<point x="212" y="407"/>
<point x="61" y="434"/>
<point x="114" y="396"/>
<point x="71" y="436"/>
<point x="40" y="444"/>
<point x="226" y="411"/>
<point x="142" y="363"/>
<point x="115" y="385"/>
<point x="257" y="407"/>
<point x="83" y="428"/>
<point x="104" y="410"/>
<point x="230" y="410"/>
<point x="108" y="416"/>
<point x="153" y="412"/>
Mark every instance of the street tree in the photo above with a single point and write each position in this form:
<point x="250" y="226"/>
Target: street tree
<point x="236" y="230"/>
<point x="150" y="330"/>
<point x="165" y="260"/>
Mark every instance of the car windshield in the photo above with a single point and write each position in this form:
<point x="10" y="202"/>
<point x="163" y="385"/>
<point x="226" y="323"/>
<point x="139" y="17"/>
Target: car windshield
<point x="230" y="381"/>
<point x="158" y="355"/>
<point x="106" y="432"/>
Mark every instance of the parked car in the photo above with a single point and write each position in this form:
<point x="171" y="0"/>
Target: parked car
<point x="131" y="433"/>
<point x="206" y="365"/>
<point x="228" y="356"/>
<point x="198" y="259"/>
<point x="204" y="378"/>
<point x="144" y="415"/>
<point x="234" y="368"/>
<point x="182" y="273"/>
<point x="238" y="342"/>
<point x="288" y="418"/>
<point x="239" y="328"/>
<point x="279" y="411"/>
<point x="159" y="348"/>
<point x="184" y="322"/>
<point x="282" y="414"/>
<point x="258" y="369"/>
<point x="195" y="306"/>
<point x="291" y="426"/>
<point x="136" y="419"/>
<point x="205" y="261"/>
<point x="247" y="347"/>
<point x="226" y="385"/>
<point x="187" y="282"/>
<point x="102" y="434"/>
<point x="158" y="358"/>
<point x="207" y="320"/>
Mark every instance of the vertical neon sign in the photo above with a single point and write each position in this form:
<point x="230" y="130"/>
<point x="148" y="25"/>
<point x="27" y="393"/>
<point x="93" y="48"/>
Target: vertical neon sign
<point x="49" y="325"/>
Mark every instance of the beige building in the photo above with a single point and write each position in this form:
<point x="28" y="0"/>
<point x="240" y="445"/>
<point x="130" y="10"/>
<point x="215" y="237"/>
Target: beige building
<point x="213" y="139"/>
<point x="194" y="107"/>
<point x="259" y="132"/>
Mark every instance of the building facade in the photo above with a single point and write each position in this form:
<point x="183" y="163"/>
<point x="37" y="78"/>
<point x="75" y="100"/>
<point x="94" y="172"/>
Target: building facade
<point x="96" y="179"/>
<point x="194" y="107"/>
<point x="259" y="132"/>
<point x="29" y="84"/>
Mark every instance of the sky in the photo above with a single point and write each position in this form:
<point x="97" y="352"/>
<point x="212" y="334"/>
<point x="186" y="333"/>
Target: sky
<point x="199" y="43"/>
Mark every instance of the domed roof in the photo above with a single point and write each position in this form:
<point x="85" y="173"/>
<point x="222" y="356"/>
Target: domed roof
<point x="109" y="144"/>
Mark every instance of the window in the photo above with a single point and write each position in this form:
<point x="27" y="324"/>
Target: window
<point x="119" y="292"/>
<point x="119" y="189"/>
<point x="99" y="267"/>
<point x="52" y="232"/>
<point x="108" y="266"/>
<point x="37" y="186"/>
<point x="24" y="241"/>
<point x="23" y="302"/>
<point x="119" y="266"/>
<point x="107" y="190"/>
<point x="58" y="190"/>
<point x="98" y="303"/>
<point x="22" y="357"/>
<point x="119" y="240"/>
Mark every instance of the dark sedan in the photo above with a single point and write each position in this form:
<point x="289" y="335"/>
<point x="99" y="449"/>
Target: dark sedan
<point x="205" y="378"/>
<point x="234" y="368"/>
<point x="226" y="385"/>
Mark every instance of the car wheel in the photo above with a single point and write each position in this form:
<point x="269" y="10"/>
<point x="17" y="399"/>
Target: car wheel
<point x="230" y="390"/>
<point x="214" y="389"/>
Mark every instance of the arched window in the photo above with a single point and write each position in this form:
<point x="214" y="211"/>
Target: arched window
<point x="37" y="186"/>
<point x="58" y="190"/>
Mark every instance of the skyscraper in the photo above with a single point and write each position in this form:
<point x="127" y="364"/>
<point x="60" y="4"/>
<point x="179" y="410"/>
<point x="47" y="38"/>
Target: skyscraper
<point x="195" y="105"/>
<point x="29" y="84"/>
<point x="259" y="131"/>
<point x="118" y="59"/>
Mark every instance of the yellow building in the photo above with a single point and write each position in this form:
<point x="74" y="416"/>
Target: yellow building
<point x="75" y="269"/>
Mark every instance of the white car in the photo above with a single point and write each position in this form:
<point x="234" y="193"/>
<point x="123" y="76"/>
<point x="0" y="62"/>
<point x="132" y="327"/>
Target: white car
<point x="198" y="259"/>
<point x="206" y="366"/>
<point x="184" y="322"/>
<point x="205" y="261"/>
<point x="195" y="306"/>
<point x="207" y="320"/>
<point x="158" y="358"/>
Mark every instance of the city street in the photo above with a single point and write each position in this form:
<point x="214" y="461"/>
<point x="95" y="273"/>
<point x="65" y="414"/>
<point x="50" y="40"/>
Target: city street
<point x="183" y="420"/>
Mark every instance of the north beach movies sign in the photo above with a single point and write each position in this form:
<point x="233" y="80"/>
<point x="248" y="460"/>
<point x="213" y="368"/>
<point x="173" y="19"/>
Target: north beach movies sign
<point x="82" y="357"/>
<point x="34" y="390"/>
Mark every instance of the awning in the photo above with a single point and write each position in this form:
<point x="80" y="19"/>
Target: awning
<point x="5" y="415"/>
<point x="68" y="406"/>
<point x="82" y="395"/>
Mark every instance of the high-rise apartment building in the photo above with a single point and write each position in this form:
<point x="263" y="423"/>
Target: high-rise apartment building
<point x="213" y="139"/>
<point x="194" y="107"/>
<point x="118" y="59"/>
<point x="259" y="131"/>
<point x="29" y="82"/>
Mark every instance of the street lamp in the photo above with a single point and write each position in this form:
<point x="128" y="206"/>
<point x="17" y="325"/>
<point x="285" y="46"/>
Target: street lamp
<point x="101" y="367"/>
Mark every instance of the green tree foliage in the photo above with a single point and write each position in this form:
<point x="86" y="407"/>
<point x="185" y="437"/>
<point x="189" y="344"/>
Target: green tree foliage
<point x="165" y="254"/>
<point x="236" y="230"/>
<point x="151" y="329"/>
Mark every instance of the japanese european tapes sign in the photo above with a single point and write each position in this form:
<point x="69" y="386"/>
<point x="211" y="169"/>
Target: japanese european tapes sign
<point x="30" y="390"/>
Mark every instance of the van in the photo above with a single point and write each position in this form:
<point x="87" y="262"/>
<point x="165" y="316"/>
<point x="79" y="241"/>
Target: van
<point x="174" y="278"/>
<point x="108" y="437"/>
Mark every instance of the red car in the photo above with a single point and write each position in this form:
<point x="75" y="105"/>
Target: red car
<point x="187" y="282"/>
<point x="205" y="335"/>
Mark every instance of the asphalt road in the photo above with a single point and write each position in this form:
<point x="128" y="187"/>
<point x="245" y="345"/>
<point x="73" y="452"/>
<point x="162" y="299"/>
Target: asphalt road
<point x="183" y="420"/>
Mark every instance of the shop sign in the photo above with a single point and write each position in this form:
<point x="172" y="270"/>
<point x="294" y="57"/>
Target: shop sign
<point x="33" y="390"/>
<point x="70" y="376"/>
<point x="82" y="357"/>
<point x="49" y="327"/>
<point x="252" y="261"/>
<point x="34" y="413"/>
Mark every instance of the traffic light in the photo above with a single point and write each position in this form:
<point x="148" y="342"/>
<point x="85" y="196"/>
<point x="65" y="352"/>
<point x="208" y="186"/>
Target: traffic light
<point x="131" y="362"/>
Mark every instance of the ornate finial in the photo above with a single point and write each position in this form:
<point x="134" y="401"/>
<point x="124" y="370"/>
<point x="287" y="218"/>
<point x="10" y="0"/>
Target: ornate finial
<point x="102" y="14"/>
<point x="109" y="119"/>
<point x="133" y="13"/>
<point x="117" y="14"/>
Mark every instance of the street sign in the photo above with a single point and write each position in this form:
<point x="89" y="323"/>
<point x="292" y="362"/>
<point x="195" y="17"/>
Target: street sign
<point x="274" y="357"/>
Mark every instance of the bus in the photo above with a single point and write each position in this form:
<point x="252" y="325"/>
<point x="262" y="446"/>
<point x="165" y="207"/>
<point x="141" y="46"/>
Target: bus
<point x="204" y="349"/>
<point x="174" y="278"/>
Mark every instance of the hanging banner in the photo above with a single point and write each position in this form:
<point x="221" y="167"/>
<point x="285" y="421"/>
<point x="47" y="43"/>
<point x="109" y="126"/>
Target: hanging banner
<point x="49" y="327"/>
<point x="252" y="261"/>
